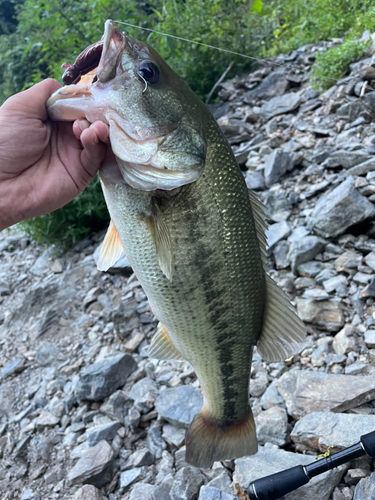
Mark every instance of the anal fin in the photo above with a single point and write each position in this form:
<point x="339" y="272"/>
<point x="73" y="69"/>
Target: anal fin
<point x="283" y="330"/>
<point x="161" y="346"/>
<point x="111" y="249"/>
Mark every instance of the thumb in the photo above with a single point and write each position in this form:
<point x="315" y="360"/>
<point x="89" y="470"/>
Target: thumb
<point x="32" y="102"/>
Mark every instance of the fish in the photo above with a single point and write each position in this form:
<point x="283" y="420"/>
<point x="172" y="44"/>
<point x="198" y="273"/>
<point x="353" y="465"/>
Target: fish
<point x="192" y="231"/>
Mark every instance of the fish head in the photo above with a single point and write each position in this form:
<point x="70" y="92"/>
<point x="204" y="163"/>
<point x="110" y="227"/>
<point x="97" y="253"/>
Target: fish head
<point x="156" y="123"/>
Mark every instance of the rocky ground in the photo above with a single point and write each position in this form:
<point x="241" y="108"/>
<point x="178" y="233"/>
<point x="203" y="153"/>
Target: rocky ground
<point x="85" y="414"/>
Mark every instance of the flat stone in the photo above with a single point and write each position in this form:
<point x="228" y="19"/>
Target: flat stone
<point x="306" y="392"/>
<point x="348" y="260"/>
<point x="94" y="466"/>
<point x="327" y="314"/>
<point x="353" y="476"/>
<point x="320" y="430"/>
<point x="155" y="442"/>
<point x="131" y="476"/>
<point x="335" y="283"/>
<point x="370" y="260"/>
<point x="369" y="290"/>
<point x="370" y="338"/>
<point x="281" y="255"/>
<point x="100" y="432"/>
<point x="174" y="435"/>
<point x="365" y="489"/>
<point x="125" y="318"/>
<point x="102" y="378"/>
<point x="272" y="85"/>
<point x="304" y="250"/>
<point x="210" y="493"/>
<point x="309" y="269"/>
<point x="144" y="393"/>
<point x="255" y="181"/>
<point x="277" y="164"/>
<point x="87" y="492"/>
<point x="277" y="232"/>
<point x="186" y="484"/>
<point x="46" y="354"/>
<point x="339" y="209"/>
<point x="271" y="397"/>
<point x="281" y="104"/>
<point x="270" y="460"/>
<point x="139" y="458"/>
<point x="272" y="426"/>
<point x="222" y="482"/>
<point x="41" y="264"/>
<point x="362" y="168"/>
<point x="345" y="159"/>
<point x="15" y="366"/>
<point x="46" y="419"/>
<point x="278" y="206"/>
<point x="114" y="406"/>
<point x="179" y="405"/>
<point x="142" y="491"/>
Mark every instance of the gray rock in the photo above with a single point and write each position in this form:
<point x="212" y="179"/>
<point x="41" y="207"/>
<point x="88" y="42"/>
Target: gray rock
<point x="306" y="392"/>
<point x="370" y="338"/>
<point x="362" y="168"/>
<point x="222" y="482"/>
<point x="211" y="493"/>
<point x="102" y="378"/>
<point x="272" y="85"/>
<point x="270" y="460"/>
<point x="46" y="419"/>
<point x="339" y="209"/>
<point x="305" y="250"/>
<point x="87" y="492"/>
<point x="271" y="397"/>
<point x="255" y="181"/>
<point x="42" y="263"/>
<point x="125" y="318"/>
<point x="114" y="407"/>
<point x="46" y="354"/>
<point x="369" y="290"/>
<point x="144" y="392"/>
<point x="277" y="164"/>
<point x="139" y="458"/>
<point x="186" y="484"/>
<point x="365" y="489"/>
<point x="344" y="341"/>
<point x="345" y="159"/>
<point x="281" y="104"/>
<point x="277" y="232"/>
<point x="278" y="206"/>
<point x="142" y="491"/>
<point x="179" y="405"/>
<point x="94" y="467"/>
<point x="328" y="314"/>
<point x="173" y="435"/>
<point x="155" y="442"/>
<point x="272" y="426"/>
<point x="370" y="260"/>
<point x="131" y="476"/>
<point x="15" y="366"/>
<point x="309" y="269"/>
<point x="161" y="492"/>
<point x="281" y="255"/>
<point x="99" y="432"/>
<point x="318" y="431"/>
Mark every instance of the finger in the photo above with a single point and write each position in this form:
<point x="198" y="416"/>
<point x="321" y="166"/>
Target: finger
<point x="101" y="130"/>
<point x="93" y="151"/>
<point x="32" y="101"/>
<point x="79" y="126"/>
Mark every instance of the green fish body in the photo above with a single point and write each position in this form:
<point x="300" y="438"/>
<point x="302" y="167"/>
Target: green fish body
<point x="194" y="236"/>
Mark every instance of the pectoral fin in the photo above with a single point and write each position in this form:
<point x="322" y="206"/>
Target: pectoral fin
<point x="283" y="331"/>
<point x="111" y="249"/>
<point x="162" y="347"/>
<point x="163" y="241"/>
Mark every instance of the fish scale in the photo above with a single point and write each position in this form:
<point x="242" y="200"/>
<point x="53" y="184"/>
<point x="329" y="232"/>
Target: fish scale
<point x="193" y="233"/>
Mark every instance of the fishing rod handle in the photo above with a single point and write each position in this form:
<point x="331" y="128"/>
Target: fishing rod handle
<point x="279" y="484"/>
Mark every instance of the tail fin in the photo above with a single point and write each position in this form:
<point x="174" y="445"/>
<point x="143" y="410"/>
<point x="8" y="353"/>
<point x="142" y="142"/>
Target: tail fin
<point x="208" y="441"/>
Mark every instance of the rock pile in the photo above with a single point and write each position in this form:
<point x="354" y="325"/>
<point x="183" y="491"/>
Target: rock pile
<point x="85" y="414"/>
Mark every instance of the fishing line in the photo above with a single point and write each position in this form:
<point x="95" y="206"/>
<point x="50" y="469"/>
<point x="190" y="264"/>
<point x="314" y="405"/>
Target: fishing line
<point x="281" y="65"/>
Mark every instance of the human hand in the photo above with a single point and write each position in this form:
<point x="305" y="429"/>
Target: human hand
<point x="43" y="164"/>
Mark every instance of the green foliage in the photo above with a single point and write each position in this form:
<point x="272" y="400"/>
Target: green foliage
<point x="331" y="65"/>
<point x="51" y="32"/>
<point x="88" y="212"/>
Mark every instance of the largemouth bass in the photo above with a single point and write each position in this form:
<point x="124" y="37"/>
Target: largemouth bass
<point x="191" y="230"/>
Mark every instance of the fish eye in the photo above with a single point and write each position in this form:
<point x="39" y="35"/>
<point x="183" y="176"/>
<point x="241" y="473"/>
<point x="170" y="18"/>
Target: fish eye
<point x="149" y="72"/>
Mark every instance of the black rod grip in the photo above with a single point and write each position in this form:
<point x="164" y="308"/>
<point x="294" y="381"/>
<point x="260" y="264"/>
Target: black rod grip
<point x="368" y="442"/>
<point x="277" y="485"/>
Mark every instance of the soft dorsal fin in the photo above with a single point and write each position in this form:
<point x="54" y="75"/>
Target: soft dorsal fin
<point x="163" y="241"/>
<point x="283" y="331"/>
<point x="161" y="346"/>
<point x="260" y="217"/>
<point x="111" y="249"/>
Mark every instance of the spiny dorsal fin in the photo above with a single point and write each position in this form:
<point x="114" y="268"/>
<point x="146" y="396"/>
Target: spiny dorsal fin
<point x="260" y="217"/>
<point x="283" y="331"/>
<point x="161" y="346"/>
<point x="163" y="241"/>
<point x="111" y="249"/>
